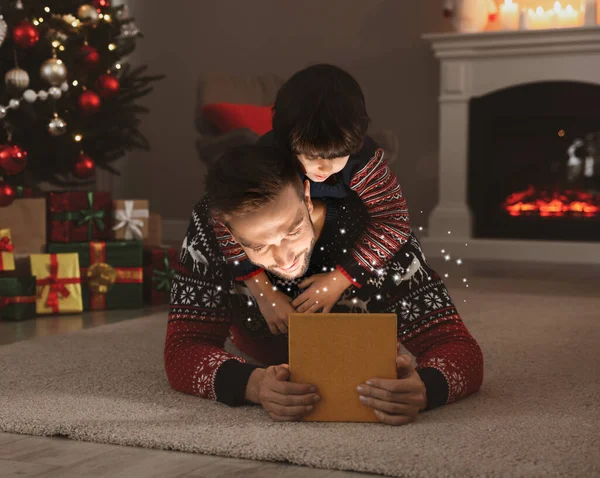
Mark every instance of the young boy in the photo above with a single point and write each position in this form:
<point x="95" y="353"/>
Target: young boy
<point x="320" y="116"/>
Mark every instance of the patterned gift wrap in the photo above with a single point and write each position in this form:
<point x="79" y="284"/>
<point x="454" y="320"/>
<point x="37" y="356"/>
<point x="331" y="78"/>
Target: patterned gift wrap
<point x="7" y="258"/>
<point x="159" y="264"/>
<point x="58" y="283"/>
<point x="17" y="298"/>
<point x="79" y="216"/>
<point x="111" y="272"/>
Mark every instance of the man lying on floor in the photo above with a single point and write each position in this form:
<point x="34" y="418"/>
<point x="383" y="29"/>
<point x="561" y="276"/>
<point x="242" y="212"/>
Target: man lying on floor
<point x="218" y="345"/>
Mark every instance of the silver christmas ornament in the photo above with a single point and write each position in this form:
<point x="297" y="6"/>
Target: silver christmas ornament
<point x="55" y="92"/>
<point x="30" y="96"/>
<point x="57" y="126"/>
<point x="2" y="112"/>
<point x="42" y="95"/>
<point x="14" y="103"/>
<point x="88" y="13"/>
<point x="3" y="29"/>
<point x="53" y="71"/>
<point x="64" y="87"/>
<point x="17" y="79"/>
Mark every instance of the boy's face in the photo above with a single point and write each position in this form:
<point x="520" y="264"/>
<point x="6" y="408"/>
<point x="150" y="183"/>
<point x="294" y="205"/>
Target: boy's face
<point x="318" y="170"/>
<point x="280" y="236"/>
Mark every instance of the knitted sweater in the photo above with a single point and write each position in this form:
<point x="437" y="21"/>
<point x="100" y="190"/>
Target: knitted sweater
<point x="209" y="306"/>
<point x="367" y="175"/>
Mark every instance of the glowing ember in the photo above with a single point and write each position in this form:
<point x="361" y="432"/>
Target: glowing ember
<point x="552" y="203"/>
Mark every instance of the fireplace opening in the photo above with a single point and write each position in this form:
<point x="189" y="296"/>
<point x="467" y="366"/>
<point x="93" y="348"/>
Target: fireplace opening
<point x="534" y="162"/>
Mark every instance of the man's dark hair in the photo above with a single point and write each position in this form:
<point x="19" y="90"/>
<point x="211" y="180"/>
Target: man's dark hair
<point x="320" y="112"/>
<point x="247" y="177"/>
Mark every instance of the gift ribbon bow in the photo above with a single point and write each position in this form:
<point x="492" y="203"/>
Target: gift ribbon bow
<point x="89" y="216"/>
<point x="163" y="277"/>
<point x="57" y="285"/>
<point x="6" y="245"/>
<point x="131" y="220"/>
<point x="18" y="299"/>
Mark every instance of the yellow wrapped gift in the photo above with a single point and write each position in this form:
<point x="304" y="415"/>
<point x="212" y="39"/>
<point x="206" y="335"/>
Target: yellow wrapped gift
<point x="58" y="283"/>
<point x="7" y="259"/>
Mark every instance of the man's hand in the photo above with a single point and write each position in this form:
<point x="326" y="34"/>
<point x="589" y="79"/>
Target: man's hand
<point x="396" y="401"/>
<point x="273" y="304"/>
<point x="323" y="293"/>
<point x="285" y="401"/>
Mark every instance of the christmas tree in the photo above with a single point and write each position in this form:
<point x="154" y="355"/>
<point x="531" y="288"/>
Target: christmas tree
<point x="68" y="99"/>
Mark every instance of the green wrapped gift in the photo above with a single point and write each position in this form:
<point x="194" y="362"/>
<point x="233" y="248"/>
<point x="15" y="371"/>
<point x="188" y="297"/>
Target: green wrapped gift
<point x="111" y="272"/>
<point x="17" y="298"/>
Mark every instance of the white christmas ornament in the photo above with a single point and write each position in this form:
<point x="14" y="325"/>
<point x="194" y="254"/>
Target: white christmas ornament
<point x="14" y="104"/>
<point x="17" y="78"/>
<point x="30" y="96"/>
<point x="64" y="87"/>
<point x="3" y="29"/>
<point x="42" y="95"/>
<point x="55" y="92"/>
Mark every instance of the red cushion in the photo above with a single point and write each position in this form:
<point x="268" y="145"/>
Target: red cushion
<point x="228" y="117"/>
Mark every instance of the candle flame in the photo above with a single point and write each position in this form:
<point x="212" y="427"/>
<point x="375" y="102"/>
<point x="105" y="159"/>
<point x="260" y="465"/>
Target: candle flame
<point x="570" y="9"/>
<point x="507" y="2"/>
<point x="539" y="10"/>
<point x="557" y="7"/>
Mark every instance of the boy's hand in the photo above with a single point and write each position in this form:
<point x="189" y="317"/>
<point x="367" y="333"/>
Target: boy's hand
<point x="323" y="293"/>
<point x="276" y="315"/>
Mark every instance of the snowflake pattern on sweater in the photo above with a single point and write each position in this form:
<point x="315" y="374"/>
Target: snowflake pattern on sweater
<point x="208" y="306"/>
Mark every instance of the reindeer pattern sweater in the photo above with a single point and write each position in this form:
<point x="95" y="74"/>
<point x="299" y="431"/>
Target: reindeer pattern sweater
<point x="209" y="306"/>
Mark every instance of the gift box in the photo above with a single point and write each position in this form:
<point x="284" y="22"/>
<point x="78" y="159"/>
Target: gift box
<point x="159" y="264"/>
<point x="17" y="298"/>
<point x="7" y="258"/>
<point x="58" y="283"/>
<point x="26" y="219"/>
<point x="79" y="216"/>
<point x="130" y="219"/>
<point x="111" y="272"/>
<point x="154" y="237"/>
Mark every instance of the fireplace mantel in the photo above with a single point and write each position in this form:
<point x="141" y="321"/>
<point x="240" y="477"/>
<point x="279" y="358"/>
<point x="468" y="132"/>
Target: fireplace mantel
<point x="474" y="65"/>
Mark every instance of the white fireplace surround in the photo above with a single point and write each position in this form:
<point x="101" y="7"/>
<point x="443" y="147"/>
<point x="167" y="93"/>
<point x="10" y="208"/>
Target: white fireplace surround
<point x="474" y="65"/>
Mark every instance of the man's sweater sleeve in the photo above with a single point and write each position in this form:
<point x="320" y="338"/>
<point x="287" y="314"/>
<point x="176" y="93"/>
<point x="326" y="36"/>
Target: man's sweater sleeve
<point x="200" y="316"/>
<point x="237" y="261"/>
<point x="370" y="177"/>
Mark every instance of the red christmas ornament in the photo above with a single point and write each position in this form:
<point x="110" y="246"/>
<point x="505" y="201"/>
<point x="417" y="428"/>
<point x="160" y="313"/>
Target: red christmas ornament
<point x="84" y="167"/>
<point x="7" y="194"/>
<point x="13" y="159"/>
<point x="107" y="86"/>
<point x="90" y="58"/>
<point x="25" y="34"/>
<point x="89" y="102"/>
<point x="101" y="3"/>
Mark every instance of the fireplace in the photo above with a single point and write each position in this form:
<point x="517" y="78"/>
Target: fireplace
<point x="519" y="165"/>
<point x="534" y="162"/>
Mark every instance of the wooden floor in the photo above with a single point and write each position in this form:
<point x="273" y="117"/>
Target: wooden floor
<point x="25" y="456"/>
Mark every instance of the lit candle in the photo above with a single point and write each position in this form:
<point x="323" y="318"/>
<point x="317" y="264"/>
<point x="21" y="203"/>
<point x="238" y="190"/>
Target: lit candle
<point x="539" y="19"/>
<point x="509" y="15"/>
<point x="569" y="17"/>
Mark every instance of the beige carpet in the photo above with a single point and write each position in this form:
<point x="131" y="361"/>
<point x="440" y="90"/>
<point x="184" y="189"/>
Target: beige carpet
<point x="537" y="414"/>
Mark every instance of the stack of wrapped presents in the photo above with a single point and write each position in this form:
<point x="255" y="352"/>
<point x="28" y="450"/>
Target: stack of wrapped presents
<point x="66" y="252"/>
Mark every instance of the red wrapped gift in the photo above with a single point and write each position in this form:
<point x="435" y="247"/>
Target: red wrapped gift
<point x="159" y="268"/>
<point x="79" y="216"/>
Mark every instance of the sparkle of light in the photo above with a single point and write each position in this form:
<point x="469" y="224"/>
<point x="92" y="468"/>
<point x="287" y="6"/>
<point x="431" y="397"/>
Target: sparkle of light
<point x="355" y="300"/>
<point x="458" y="262"/>
<point x="237" y="263"/>
<point x="343" y="231"/>
<point x="112" y="47"/>
<point x="78" y="137"/>
<point x="36" y="23"/>
<point x="47" y="9"/>
<point x="345" y="251"/>
<point x="273" y="304"/>
<point x="446" y="275"/>
<point x="274" y="287"/>
<point x="61" y="48"/>
<point x="378" y="297"/>
<point x="420" y="228"/>
<point x="465" y="279"/>
<point x="249" y="302"/>
<point x="118" y="66"/>
<point x="322" y="248"/>
<point x="449" y="232"/>
<point x="55" y="44"/>
<point x="324" y="289"/>
<point x="396" y="277"/>
<point x="219" y="288"/>
<point x="75" y="82"/>
<point x="447" y="257"/>
<point x="443" y="251"/>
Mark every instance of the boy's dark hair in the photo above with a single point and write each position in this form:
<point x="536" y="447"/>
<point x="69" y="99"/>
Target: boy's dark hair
<point x="247" y="177"/>
<point x="320" y="112"/>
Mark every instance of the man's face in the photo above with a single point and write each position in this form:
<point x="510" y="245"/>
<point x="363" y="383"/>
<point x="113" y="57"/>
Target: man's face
<point x="318" y="170"/>
<point x="280" y="235"/>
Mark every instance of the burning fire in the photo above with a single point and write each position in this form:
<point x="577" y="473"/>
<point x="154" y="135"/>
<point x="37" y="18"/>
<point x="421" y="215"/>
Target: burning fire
<point x="552" y="203"/>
